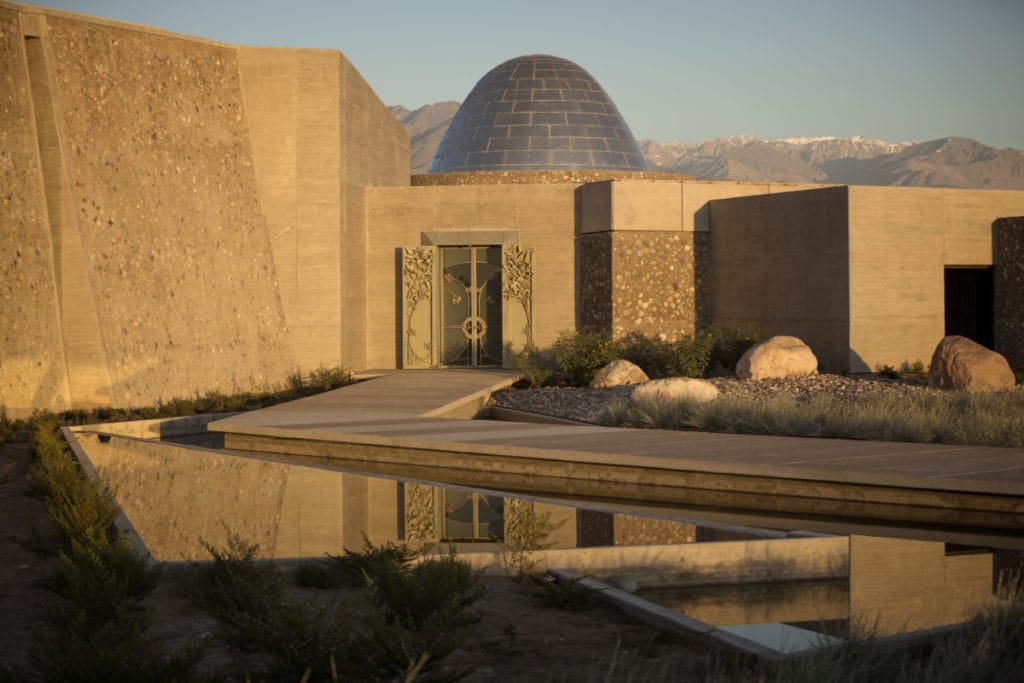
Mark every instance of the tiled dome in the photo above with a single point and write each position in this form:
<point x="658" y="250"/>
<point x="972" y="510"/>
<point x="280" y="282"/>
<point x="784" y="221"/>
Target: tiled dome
<point x="537" y="113"/>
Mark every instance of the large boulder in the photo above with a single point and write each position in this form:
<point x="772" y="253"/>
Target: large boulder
<point x="617" y="373"/>
<point x="777" y="357"/>
<point x="674" y="389"/>
<point x="965" y="365"/>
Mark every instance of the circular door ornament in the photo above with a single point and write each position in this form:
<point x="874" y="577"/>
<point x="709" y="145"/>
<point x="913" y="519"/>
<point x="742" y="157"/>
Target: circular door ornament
<point x="473" y="327"/>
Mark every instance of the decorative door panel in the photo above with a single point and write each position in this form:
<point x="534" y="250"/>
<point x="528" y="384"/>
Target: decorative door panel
<point x="418" y="281"/>
<point x="517" y="298"/>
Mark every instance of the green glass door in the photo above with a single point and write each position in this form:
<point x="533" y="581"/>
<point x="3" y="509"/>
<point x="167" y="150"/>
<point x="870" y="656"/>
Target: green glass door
<point x="471" y="305"/>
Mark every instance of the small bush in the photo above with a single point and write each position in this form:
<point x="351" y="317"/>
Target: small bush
<point x="536" y="366"/>
<point x="78" y="509"/>
<point x="235" y="581"/>
<point x="888" y="372"/>
<point x="445" y="585"/>
<point x="6" y="472"/>
<point x="316" y="574"/>
<point x="401" y="625"/>
<point x="580" y="355"/>
<point x="525" y="532"/>
<point x="101" y="580"/>
<point x="730" y="342"/>
<point x="918" y="370"/>
<point x="565" y="595"/>
<point x="116" y="651"/>
<point x="373" y="565"/>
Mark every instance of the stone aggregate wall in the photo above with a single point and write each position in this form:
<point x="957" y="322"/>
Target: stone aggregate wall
<point x="594" y="290"/>
<point x="650" y="281"/>
<point x="658" y="282"/>
<point x="1009" y="290"/>
<point x="633" y="530"/>
<point x="32" y="370"/>
<point x="537" y="177"/>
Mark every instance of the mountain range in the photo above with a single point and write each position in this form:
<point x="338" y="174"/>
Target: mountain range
<point x="946" y="162"/>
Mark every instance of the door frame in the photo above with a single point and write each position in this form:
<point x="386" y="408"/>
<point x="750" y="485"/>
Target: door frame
<point x="423" y="350"/>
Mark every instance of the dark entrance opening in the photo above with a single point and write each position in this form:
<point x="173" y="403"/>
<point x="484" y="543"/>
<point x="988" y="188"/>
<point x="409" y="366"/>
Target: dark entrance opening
<point x="969" y="304"/>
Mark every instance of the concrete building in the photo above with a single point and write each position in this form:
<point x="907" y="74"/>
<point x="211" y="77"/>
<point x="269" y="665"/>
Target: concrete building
<point x="179" y="215"/>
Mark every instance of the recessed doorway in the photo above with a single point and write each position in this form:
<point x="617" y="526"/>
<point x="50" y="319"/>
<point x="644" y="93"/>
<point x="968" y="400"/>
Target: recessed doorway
<point x="969" y="304"/>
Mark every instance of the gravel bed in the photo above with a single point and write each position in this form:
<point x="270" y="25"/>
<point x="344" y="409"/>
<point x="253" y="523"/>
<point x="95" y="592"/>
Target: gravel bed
<point x="589" y="405"/>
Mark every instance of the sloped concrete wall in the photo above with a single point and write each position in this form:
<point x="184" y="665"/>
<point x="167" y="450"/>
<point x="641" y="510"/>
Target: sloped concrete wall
<point x="174" y="243"/>
<point x="181" y="214"/>
<point x="32" y="370"/>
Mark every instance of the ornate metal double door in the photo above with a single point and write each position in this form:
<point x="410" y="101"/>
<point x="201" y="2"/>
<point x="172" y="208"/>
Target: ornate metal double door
<point x="465" y="305"/>
<point x="471" y="305"/>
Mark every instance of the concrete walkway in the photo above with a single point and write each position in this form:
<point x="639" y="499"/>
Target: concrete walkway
<point x="396" y="424"/>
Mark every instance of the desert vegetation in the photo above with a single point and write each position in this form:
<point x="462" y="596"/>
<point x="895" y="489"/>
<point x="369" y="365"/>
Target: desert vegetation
<point x="574" y="357"/>
<point x="924" y="417"/>
<point x="987" y="649"/>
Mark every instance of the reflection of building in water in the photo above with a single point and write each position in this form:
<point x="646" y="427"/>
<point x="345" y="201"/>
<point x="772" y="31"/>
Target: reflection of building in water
<point x="440" y="514"/>
<point x="892" y="586"/>
<point x="295" y="510"/>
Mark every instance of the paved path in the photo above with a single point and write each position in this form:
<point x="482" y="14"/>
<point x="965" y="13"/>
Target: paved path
<point x="398" y="420"/>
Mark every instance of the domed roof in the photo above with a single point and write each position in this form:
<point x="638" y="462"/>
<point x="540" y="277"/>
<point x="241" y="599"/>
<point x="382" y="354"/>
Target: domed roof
<point x="537" y="113"/>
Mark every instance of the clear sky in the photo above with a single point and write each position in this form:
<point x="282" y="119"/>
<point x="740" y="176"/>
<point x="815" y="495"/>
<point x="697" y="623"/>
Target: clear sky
<point x="896" y="70"/>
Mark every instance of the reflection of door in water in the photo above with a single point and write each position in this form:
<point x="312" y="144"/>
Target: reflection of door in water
<point x="471" y="305"/>
<point x="472" y="516"/>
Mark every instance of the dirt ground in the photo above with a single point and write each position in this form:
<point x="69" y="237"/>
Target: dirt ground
<point x="516" y="639"/>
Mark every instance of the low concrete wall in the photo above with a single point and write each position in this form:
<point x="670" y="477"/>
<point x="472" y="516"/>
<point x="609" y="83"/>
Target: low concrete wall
<point x="757" y="561"/>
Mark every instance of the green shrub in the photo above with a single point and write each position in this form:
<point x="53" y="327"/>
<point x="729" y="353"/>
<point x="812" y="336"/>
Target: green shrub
<point x="536" y="366"/>
<point x="100" y="631"/>
<point x="373" y="565"/>
<point x="6" y="473"/>
<point x="316" y="574"/>
<point x="888" y="372"/>
<point x="116" y="651"/>
<point x="730" y="342"/>
<point x="6" y="427"/>
<point x="78" y="508"/>
<point x="525" y="533"/>
<point x="402" y="623"/>
<point x="235" y="580"/>
<point x="580" y="355"/>
<point x="647" y="353"/>
<point x="688" y="356"/>
<point x="444" y="586"/>
<point x="918" y="370"/>
<point x="566" y="595"/>
<point x="102" y="580"/>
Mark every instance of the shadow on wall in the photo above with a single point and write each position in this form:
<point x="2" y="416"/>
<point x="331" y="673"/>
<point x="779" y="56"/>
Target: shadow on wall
<point x="857" y="364"/>
<point x="398" y="308"/>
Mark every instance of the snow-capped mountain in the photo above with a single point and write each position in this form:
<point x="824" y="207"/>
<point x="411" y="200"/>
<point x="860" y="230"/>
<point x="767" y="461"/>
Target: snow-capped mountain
<point x="946" y="162"/>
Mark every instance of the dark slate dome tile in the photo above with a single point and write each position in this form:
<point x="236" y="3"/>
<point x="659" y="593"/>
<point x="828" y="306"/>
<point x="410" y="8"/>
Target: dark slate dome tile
<point x="537" y="113"/>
